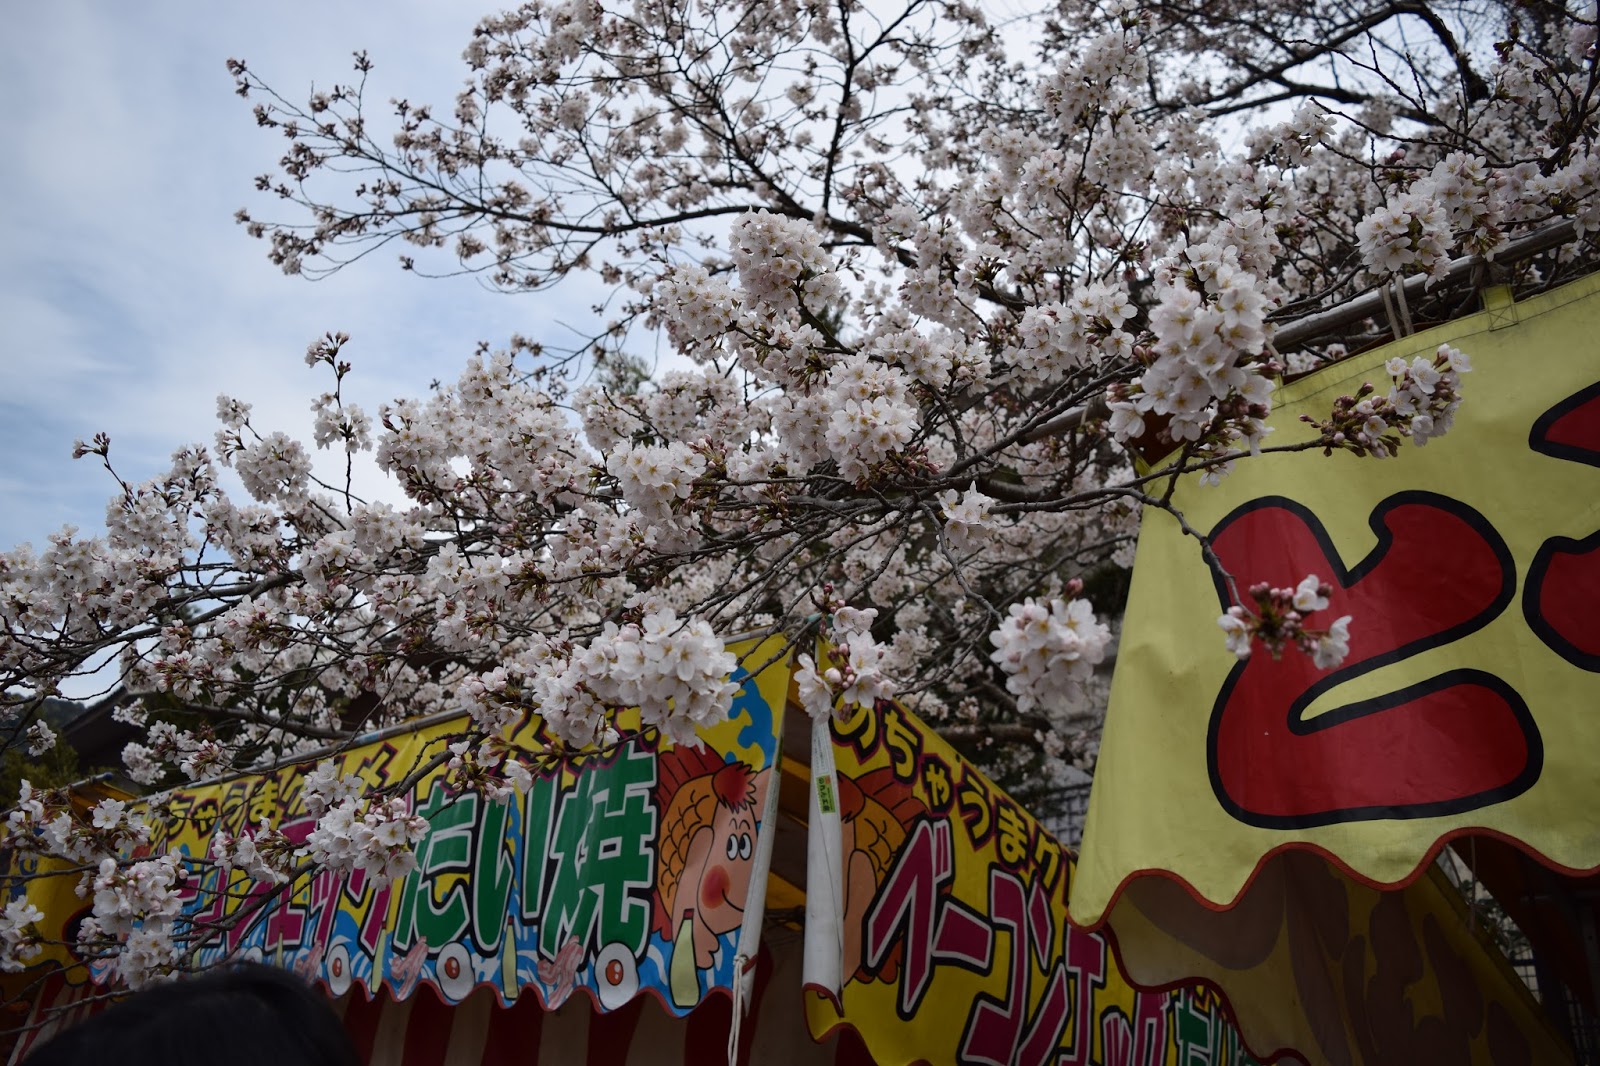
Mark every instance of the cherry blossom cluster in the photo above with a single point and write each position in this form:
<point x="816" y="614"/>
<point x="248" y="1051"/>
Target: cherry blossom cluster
<point x="377" y="837"/>
<point x="198" y="758"/>
<point x="1059" y="338"/>
<point x="135" y="903"/>
<point x="41" y="738"/>
<point x="654" y="479"/>
<point x="1279" y="622"/>
<point x="853" y="671"/>
<point x="1292" y="143"/>
<point x="780" y="262"/>
<point x="676" y="672"/>
<point x="19" y="938"/>
<point x="1410" y="232"/>
<point x="135" y="908"/>
<point x="492" y="768"/>
<point x="324" y="788"/>
<point x="1210" y="347"/>
<point x="1048" y="650"/>
<point x="1085" y="85"/>
<point x="872" y="416"/>
<point x="1421" y="404"/>
<point x="263" y="854"/>
<point x="354" y="831"/>
<point x="968" y="518"/>
<point x="46" y="823"/>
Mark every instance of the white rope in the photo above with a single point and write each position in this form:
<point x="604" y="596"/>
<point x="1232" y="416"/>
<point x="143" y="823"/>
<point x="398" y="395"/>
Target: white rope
<point x="1388" y="307"/>
<point x="739" y="1005"/>
<point x="1405" y="309"/>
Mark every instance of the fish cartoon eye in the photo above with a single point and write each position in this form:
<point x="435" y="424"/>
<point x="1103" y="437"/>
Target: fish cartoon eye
<point x="744" y="845"/>
<point x="733" y="846"/>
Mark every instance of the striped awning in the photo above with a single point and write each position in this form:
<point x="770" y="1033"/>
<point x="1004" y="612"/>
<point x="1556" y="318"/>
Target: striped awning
<point x="425" y="1031"/>
<point x="422" y="1031"/>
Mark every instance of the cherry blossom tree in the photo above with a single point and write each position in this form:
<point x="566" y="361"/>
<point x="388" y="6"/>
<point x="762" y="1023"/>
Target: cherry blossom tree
<point x="931" y="281"/>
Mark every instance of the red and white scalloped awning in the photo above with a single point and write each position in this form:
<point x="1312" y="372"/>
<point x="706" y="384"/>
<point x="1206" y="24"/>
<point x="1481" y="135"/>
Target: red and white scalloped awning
<point x="424" y="1031"/>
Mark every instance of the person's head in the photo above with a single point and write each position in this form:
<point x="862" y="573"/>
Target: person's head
<point x="245" y="1015"/>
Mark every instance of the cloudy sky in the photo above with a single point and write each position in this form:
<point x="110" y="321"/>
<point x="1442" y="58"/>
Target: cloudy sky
<point x="129" y="298"/>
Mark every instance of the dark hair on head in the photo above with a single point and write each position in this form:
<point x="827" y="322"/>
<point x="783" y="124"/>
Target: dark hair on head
<point x="246" y="1015"/>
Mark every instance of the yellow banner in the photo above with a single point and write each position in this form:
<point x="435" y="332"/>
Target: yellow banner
<point x="1471" y="570"/>
<point x="614" y="874"/>
<point x="956" y="944"/>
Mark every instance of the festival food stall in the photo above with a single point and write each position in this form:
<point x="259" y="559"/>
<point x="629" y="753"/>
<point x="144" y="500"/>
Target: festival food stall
<point x="1257" y="880"/>
<point x="848" y="892"/>
<point x="540" y="927"/>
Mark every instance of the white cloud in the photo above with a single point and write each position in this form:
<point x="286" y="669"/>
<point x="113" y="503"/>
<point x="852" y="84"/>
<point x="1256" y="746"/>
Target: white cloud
<point x="129" y="298"/>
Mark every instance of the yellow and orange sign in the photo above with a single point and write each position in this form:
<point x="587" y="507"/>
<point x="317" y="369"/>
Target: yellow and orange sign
<point x="615" y="874"/>
<point x="951" y="936"/>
